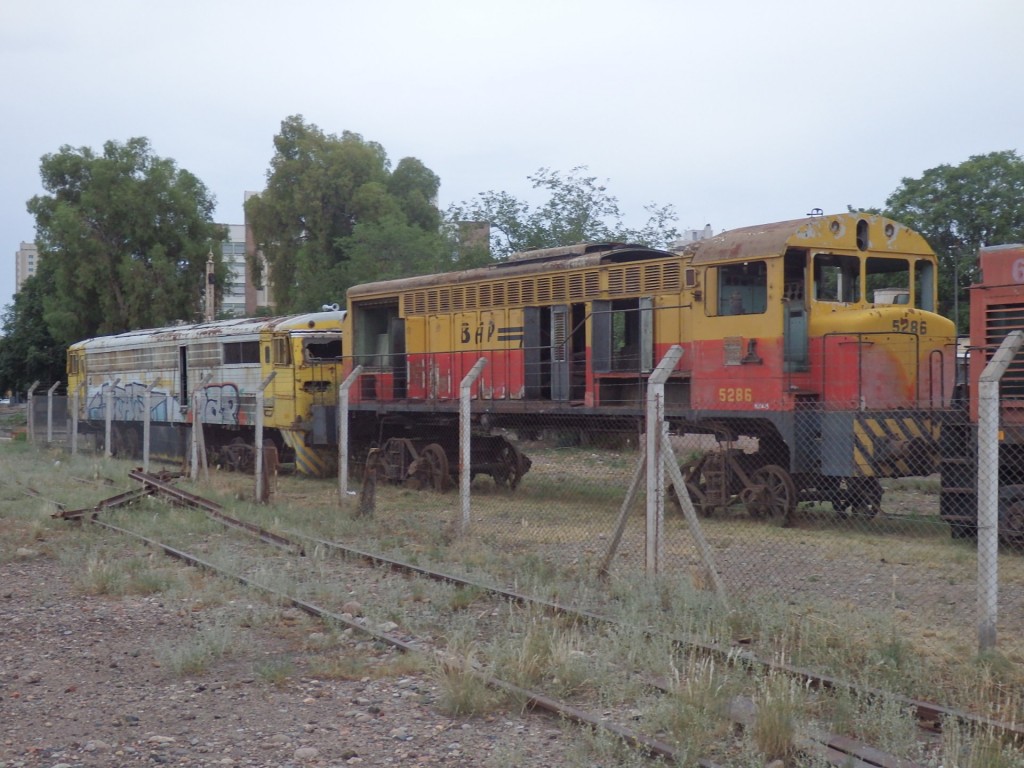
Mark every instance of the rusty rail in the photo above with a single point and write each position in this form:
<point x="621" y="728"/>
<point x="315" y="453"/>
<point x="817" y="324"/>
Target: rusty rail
<point x="836" y="748"/>
<point x="212" y="509"/>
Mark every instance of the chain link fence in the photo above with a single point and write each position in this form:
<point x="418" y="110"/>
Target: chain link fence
<point x="885" y="522"/>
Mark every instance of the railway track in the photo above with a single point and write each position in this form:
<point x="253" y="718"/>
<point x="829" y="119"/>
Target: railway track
<point x="835" y="749"/>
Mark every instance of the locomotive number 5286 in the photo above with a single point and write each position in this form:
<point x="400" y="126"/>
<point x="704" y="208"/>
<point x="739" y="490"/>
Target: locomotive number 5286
<point x="906" y="325"/>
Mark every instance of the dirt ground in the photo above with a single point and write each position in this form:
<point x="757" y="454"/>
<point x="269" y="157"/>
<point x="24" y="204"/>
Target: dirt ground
<point x="82" y="684"/>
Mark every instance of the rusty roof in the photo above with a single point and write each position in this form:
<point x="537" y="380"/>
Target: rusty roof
<point x="838" y="231"/>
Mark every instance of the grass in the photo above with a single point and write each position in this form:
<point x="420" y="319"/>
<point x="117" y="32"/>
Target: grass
<point x="463" y="691"/>
<point x="195" y="654"/>
<point x="838" y="596"/>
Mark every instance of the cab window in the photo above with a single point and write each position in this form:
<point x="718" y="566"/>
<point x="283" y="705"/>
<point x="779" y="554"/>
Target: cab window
<point x="743" y="288"/>
<point x="282" y="351"/>
<point x="836" y="278"/>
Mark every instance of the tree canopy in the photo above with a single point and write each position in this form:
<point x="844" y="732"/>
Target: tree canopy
<point x="578" y="209"/>
<point x="334" y="214"/>
<point x="124" y="237"/>
<point x="959" y="209"/>
<point x="28" y="352"/>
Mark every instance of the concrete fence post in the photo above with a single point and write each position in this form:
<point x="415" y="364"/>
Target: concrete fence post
<point x="655" y="469"/>
<point x="343" y="454"/>
<point x="31" y="416"/>
<point x="108" y="418"/>
<point x="988" y="488"/>
<point x="49" y="412"/>
<point x="465" y="432"/>
<point x="258" y="469"/>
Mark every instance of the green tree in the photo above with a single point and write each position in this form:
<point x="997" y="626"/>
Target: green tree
<point x="959" y="209"/>
<point x="334" y="213"/>
<point x="28" y="352"/>
<point x="578" y="209"/>
<point x="126" y="236"/>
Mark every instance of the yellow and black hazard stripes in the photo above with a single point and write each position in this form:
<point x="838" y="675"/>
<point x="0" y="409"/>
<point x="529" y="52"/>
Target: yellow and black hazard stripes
<point x="895" y="444"/>
<point x="308" y="460"/>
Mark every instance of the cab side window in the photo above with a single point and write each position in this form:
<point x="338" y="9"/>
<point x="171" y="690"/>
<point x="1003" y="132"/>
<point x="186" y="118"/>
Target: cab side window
<point x="743" y="288"/>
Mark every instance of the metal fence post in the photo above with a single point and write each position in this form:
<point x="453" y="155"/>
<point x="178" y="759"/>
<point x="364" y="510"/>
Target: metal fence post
<point x="343" y="456"/>
<point x="49" y="412"/>
<point x="31" y="415"/>
<point x="258" y="469"/>
<point x="465" y="456"/>
<point x="988" y="488"/>
<point x="655" y="468"/>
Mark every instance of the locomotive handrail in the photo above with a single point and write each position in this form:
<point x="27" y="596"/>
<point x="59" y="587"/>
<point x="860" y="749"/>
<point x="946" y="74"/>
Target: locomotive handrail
<point x="942" y="378"/>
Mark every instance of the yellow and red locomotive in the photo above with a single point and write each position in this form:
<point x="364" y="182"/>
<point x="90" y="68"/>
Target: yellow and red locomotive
<point x="818" y="339"/>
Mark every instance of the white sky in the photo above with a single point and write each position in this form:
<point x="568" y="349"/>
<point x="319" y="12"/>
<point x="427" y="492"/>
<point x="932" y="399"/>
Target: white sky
<point x="737" y="112"/>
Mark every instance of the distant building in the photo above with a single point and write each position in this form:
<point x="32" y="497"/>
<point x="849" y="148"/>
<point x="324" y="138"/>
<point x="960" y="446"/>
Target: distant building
<point x="232" y="303"/>
<point x="257" y="300"/>
<point x="26" y="261"/>
<point x="692" y="236"/>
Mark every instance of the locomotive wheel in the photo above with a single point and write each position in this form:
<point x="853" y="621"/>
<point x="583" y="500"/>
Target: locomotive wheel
<point x="711" y="478"/>
<point x="239" y="456"/>
<point x="1011" y="514"/>
<point x="771" y="494"/>
<point x="510" y="465"/>
<point x="432" y="468"/>
<point x="396" y="458"/>
<point x="865" y="496"/>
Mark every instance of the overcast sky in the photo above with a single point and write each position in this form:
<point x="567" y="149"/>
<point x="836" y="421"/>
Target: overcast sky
<point x="736" y="112"/>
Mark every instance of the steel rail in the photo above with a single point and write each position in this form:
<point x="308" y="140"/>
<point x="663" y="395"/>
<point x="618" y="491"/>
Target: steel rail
<point x="929" y="715"/>
<point x="214" y="510"/>
<point x="533" y="699"/>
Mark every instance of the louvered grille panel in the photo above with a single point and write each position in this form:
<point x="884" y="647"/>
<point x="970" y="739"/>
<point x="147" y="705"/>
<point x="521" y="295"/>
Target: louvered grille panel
<point x="544" y="289"/>
<point x="652" y="278"/>
<point x="616" y="282"/>
<point x="1000" y="319"/>
<point x="576" y="287"/>
<point x="558" y="321"/>
<point x="670" y="277"/>
<point x="630" y="279"/>
<point x="633" y="279"/>
<point x="558" y="288"/>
